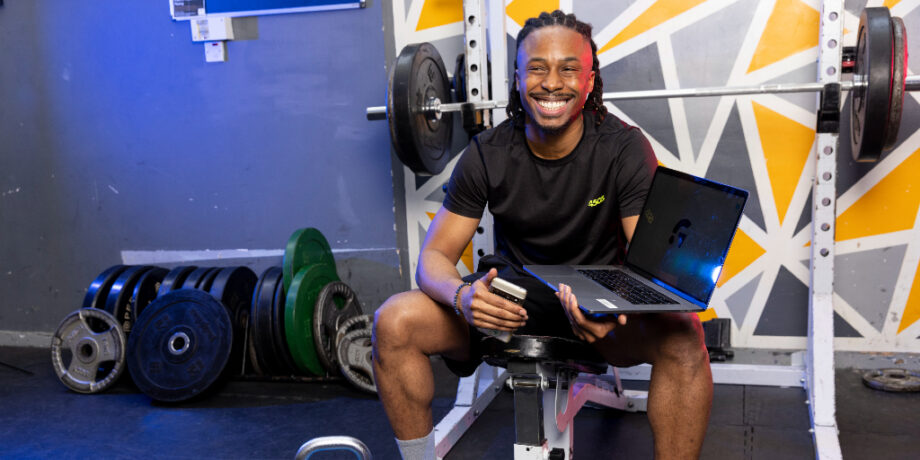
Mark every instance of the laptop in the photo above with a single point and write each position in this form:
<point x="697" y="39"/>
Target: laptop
<point x="675" y="257"/>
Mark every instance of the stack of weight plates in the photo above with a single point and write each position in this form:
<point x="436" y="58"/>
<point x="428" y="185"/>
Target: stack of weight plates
<point x="127" y="309"/>
<point x="182" y="331"/>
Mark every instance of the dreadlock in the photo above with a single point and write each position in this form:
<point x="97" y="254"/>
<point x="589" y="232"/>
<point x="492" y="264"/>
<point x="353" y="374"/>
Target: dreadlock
<point x="595" y="101"/>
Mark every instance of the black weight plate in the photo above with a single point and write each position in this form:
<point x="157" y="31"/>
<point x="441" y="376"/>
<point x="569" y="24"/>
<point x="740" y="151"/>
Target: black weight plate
<point x="257" y="350"/>
<point x="896" y="380"/>
<point x="421" y="140"/>
<point x="195" y="278"/>
<point x="255" y="368"/>
<point x="355" y="362"/>
<point x="264" y="340"/>
<point x="88" y="350"/>
<point x="208" y="280"/>
<point x="99" y="288"/>
<point x="898" y="79"/>
<point x="145" y="291"/>
<point x="180" y="346"/>
<point x="869" y="105"/>
<point x="234" y="286"/>
<point x="288" y="367"/>
<point x="336" y="303"/>
<point x="459" y="79"/>
<point x="119" y="296"/>
<point x="271" y="341"/>
<point x="175" y="278"/>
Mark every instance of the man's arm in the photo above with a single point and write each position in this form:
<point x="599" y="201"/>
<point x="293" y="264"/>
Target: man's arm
<point x="629" y="226"/>
<point x="437" y="275"/>
<point x="447" y="237"/>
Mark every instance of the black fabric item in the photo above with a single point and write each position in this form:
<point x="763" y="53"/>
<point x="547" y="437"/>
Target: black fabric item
<point x="564" y="211"/>
<point x="545" y="314"/>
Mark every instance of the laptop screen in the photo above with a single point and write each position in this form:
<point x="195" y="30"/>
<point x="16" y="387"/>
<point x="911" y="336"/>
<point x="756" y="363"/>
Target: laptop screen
<point x="684" y="231"/>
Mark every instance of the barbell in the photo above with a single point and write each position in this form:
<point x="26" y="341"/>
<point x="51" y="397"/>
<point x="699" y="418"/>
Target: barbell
<point x="421" y="124"/>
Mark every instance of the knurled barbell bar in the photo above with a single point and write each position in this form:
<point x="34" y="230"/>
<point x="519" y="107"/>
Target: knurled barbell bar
<point x="421" y="124"/>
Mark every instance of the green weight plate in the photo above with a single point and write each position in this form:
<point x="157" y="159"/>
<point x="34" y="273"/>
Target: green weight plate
<point x="305" y="247"/>
<point x="298" y="315"/>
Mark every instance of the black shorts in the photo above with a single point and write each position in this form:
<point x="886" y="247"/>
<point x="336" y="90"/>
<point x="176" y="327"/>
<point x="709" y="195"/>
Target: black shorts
<point x="545" y="314"/>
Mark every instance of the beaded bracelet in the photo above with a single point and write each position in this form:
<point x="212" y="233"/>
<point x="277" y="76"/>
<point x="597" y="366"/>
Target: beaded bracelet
<point x="457" y="297"/>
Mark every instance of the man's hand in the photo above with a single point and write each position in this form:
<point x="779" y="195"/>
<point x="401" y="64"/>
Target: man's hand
<point x="584" y="328"/>
<point x="482" y="308"/>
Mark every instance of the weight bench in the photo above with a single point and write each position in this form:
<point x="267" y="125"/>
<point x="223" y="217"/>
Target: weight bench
<point x="538" y="370"/>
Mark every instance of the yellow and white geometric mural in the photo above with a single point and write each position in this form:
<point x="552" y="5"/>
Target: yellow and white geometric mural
<point x="762" y="143"/>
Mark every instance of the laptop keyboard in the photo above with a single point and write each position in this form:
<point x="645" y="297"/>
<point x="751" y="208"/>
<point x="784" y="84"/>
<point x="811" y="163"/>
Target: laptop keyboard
<point x="626" y="287"/>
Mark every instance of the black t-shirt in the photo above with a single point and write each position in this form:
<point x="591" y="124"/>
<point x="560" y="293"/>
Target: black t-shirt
<point x="564" y="211"/>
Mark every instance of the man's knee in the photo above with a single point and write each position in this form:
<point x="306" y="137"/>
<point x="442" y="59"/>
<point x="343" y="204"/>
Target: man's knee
<point x="393" y="316"/>
<point x="681" y="338"/>
<point x="412" y="321"/>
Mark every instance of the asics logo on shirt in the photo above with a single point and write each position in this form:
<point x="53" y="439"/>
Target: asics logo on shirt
<point x="596" y="201"/>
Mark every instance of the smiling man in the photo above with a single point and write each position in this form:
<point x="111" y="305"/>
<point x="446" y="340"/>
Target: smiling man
<point x="565" y="182"/>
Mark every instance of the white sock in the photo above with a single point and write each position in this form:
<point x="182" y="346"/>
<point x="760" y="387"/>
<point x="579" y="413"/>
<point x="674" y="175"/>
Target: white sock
<point x="417" y="449"/>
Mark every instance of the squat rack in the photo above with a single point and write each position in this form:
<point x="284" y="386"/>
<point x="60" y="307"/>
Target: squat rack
<point x="813" y="369"/>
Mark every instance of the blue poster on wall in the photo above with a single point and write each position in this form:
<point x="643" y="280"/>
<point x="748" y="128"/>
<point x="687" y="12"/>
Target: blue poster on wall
<point x="256" y="7"/>
<point x="188" y="9"/>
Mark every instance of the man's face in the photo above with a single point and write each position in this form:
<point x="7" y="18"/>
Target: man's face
<point x="554" y="77"/>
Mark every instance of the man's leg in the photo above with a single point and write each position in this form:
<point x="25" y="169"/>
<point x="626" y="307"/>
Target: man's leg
<point x="408" y="328"/>
<point x="680" y="391"/>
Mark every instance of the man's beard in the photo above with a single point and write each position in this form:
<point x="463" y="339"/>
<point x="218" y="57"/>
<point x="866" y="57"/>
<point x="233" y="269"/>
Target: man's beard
<point x="554" y="130"/>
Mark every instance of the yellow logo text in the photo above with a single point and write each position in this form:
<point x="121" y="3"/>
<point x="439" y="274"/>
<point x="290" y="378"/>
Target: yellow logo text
<point x="596" y="201"/>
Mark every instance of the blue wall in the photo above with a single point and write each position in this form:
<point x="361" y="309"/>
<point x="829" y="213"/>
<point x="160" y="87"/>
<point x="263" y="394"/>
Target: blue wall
<point x="115" y="134"/>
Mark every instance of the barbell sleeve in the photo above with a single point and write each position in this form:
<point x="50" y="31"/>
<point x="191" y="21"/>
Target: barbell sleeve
<point x="376" y="113"/>
<point x="912" y="83"/>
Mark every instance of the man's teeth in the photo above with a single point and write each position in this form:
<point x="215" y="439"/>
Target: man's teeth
<point x="551" y="105"/>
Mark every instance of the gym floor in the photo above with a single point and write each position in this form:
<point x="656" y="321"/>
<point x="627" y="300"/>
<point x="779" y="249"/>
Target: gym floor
<point x="260" y="419"/>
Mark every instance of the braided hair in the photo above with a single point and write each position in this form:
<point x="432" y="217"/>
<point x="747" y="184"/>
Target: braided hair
<point x="595" y="101"/>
